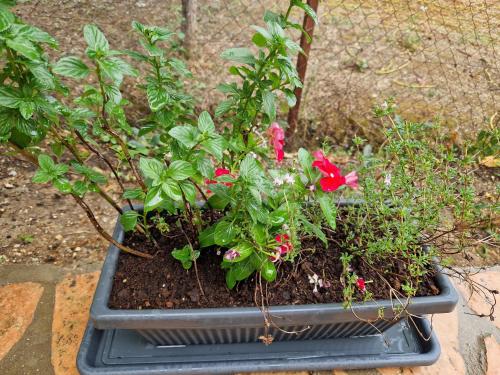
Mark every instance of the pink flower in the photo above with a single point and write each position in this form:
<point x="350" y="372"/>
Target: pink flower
<point x="361" y="284"/>
<point x="231" y="254"/>
<point x="351" y="180"/>
<point x="274" y="258"/>
<point x="277" y="135"/>
<point x="219" y="172"/>
<point x="332" y="178"/>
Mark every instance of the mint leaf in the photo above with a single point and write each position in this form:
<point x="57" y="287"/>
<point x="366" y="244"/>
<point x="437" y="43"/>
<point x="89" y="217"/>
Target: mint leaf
<point x="129" y="220"/>
<point x="72" y="67"/>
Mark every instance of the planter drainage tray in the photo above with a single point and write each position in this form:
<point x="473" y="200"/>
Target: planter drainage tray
<point x="125" y="352"/>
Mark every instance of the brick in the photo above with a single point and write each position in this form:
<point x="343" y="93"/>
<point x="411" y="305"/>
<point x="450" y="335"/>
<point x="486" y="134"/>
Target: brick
<point x="18" y="303"/>
<point x="492" y="356"/>
<point x="72" y="302"/>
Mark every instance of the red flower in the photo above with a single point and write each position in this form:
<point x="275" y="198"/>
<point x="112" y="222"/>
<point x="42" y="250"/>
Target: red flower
<point x="285" y="246"/>
<point x="219" y="172"/>
<point x="277" y="135"/>
<point x="360" y="283"/>
<point x="332" y="179"/>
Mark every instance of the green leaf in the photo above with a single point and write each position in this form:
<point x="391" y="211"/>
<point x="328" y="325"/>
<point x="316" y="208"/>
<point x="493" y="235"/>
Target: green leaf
<point x="24" y="47"/>
<point x="157" y="96"/>
<point x="57" y="148"/>
<point x="225" y="232"/>
<point x="129" y="220"/>
<point x="240" y="55"/>
<point x="95" y="38"/>
<point x="241" y="270"/>
<point x="307" y="9"/>
<point x="180" y="170"/>
<point x="314" y="230"/>
<point x="215" y="146"/>
<point x="172" y="189"/>
<point x="46" y="163"/>
<point x="329" y="209"/>
<point x="186" y="256"/>
<point x="136" y="194"/>
<point x="268" y="271"/>
<point x="259" y="234"/>
<point x="245" y="249"/>
<point x="218" y="202"/>
<point x="290" y="97"/>
<point x="277" y="217"/>
<point x="206" y="237"/>
<point x="116" y="68"/>
<point x="72" y="67"/>
<point x="228" y="88"/>
<point x="306" y="160"/>
<point x="205" y="123"/>
<point x="41" y="177"/>
<point x="6" y="18"/>
<point x="80" y="188"/>
<point x="27" y="109"/>
<point x="259" y="40"/>
<point x="154" y="199"/>
<point x="268" y="104"/>
<point x="34" y="34"/>
<point x="89" y="173"/>
<point x="187" y="135"/>
<point x="43" y="77"/>
<point x="263" y="32"/>
<point x="151" y="168"/>
<point x="223" y="107"/>
<point x="189" y="191"/>
<point x="10" y="97"/>
<point x="63" y="185"/>
<point x="205" y="166"/>
<point x="249" y="169"/>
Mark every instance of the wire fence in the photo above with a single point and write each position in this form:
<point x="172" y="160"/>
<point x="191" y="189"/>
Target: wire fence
<point x="435" y="57"/>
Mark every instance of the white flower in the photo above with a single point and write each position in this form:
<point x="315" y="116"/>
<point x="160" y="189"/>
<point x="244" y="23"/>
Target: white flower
<point x="278" y="181"/>
<point x="316" y="281"/>
<point x="253" y="154"/>
<point x="387" y="179"/>
<point x="423" y="8"/>
<point x="289" y="178"/>
<point x="312" y="188"/>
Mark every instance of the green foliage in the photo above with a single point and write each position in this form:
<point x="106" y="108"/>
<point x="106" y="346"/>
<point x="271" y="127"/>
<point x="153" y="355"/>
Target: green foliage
<point x="257" y="212"/>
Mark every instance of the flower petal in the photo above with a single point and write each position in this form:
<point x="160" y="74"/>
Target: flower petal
<point x="331" y="183"/>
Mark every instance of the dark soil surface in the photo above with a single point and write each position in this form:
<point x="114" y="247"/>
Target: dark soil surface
<point x="163" y="283"/>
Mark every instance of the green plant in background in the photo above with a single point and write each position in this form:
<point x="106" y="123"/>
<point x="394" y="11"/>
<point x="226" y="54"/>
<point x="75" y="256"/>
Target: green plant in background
<point x="223" y="178"/>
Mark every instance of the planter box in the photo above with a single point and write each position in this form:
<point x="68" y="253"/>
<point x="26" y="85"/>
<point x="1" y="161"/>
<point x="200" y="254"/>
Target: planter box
<point x="245" y="325"/>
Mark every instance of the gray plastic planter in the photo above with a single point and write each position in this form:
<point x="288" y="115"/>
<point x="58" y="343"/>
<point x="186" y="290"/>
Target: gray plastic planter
<point x="124" y="352"/>
<point x="245" y="325"/>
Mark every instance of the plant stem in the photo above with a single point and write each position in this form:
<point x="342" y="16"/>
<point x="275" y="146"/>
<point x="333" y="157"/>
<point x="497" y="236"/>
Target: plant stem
<point x="28" y="155"/>
<point x="107" y="128"/>
<point x="105" y="234"/>
<point x="106" y="161"/>
<point x="74" y="152"/>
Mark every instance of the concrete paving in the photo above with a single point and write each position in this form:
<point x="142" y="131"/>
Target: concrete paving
<point x="44" y="310"/>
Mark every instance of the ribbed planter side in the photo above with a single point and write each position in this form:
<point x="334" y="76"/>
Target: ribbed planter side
<point x="236" y="335"/>
<point x="246" y="324"/>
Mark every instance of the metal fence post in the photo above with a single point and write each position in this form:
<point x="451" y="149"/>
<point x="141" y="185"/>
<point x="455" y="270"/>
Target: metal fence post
<point x="308" y="25"/>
